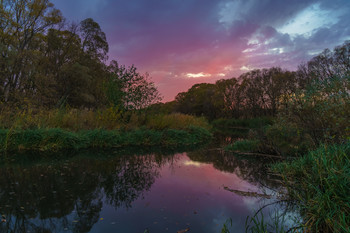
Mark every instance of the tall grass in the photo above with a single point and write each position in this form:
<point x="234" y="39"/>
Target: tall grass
<point x="176" y="121"/>
<point x="259" y="224"/>
<point x="319" y="183"/>
<point x="84" y="119"/>
<point x="59" y="139"/>
<point x="233" y="123"/>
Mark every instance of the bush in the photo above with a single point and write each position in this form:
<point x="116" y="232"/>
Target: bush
<point x="244" y="146"/>
<point x="175" y="121"/>
<point x="286" y="139"/>
<point x="321" y="111"/>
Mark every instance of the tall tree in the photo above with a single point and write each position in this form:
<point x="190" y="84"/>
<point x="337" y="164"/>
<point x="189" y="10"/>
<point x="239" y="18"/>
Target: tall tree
<point x="94" y="40"/>
<point x="22" y="24"/>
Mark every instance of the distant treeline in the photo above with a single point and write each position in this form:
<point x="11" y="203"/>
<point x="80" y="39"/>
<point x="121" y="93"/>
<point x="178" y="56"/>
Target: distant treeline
<point x="48" y="62"/>
<point x="259" y="92"/>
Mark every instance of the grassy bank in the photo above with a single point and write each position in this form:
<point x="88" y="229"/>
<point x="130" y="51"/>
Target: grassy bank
<point x="319" y="183"/>
<point x="44" y="130"/>
<point x="83" y="119"/>
<point x="59" y="139"/>
<point x="240" y="127"/>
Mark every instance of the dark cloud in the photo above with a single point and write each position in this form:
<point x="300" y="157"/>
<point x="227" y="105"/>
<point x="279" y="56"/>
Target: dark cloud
<point x="170" y="38"/>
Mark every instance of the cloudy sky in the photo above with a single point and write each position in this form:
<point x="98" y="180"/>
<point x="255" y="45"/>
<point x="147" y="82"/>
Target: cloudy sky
<point x="183" y="42"/>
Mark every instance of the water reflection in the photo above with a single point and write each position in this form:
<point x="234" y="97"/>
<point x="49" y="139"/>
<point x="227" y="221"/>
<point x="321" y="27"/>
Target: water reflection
<point x="159" y="192"/>
<point x="251" y="169"/>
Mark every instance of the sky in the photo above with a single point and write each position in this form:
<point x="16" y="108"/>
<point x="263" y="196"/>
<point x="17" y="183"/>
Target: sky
<point x="184" y="42"/>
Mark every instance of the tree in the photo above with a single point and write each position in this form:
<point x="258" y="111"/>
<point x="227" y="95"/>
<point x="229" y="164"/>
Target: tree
<point x="230" y="91"/>
<point x="326" y="64"/>
<point x="94" y="41"/>
<point x="200" y="99"/>
<point x="22" y="24"/>
<point x="129" y="89"/>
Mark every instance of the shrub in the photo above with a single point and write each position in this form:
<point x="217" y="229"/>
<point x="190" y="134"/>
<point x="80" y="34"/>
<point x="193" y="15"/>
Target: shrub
<point x="244" y="146"/>
<point x="175" y="121"/>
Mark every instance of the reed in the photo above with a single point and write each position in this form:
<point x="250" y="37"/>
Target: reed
<point x="319" y="184"/>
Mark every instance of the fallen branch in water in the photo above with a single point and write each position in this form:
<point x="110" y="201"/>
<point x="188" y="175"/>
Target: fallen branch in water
<point x="248" y="194"/>
<point x="258" y="154"/>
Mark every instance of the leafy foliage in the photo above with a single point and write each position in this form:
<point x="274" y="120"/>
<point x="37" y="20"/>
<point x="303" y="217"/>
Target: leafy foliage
<point x="49" y="140"/>
<point x="52" y="63"/>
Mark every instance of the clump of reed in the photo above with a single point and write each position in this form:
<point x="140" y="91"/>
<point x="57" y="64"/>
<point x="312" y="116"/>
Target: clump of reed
<point x="319" y="183"/>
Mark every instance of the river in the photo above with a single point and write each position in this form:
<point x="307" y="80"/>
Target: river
<point x="132" y="192"/>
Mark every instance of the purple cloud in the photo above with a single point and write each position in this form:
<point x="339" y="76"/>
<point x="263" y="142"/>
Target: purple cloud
<point x="181" y="43"/>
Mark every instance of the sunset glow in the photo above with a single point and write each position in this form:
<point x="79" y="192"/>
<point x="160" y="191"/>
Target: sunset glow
<point x="188" y="42"/>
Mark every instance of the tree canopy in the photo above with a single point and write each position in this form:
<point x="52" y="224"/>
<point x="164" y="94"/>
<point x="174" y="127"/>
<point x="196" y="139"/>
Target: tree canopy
<point x="49" y="62"/>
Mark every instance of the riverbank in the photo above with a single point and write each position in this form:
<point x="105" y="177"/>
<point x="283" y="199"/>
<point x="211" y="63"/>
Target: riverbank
<point x="48" y="140"/>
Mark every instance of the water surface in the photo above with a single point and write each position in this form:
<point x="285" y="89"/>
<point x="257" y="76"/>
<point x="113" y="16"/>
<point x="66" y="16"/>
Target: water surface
<point x="131" y="193"/>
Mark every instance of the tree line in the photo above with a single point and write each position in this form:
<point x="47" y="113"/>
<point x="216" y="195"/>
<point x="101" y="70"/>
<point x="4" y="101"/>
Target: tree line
<point x="50" y="62"/>
<point x="260" y="92"/>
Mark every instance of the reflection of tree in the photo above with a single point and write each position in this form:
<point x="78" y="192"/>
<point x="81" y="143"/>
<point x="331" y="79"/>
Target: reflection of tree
<point x="50" y="198"/>
<point x="252" y="170"/>
<point x="126" y="183"/>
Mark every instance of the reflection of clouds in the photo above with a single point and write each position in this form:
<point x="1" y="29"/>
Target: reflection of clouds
<point x="251" y="202"/>
<point x="193" y="163"/>
<point x="221" y="217"/>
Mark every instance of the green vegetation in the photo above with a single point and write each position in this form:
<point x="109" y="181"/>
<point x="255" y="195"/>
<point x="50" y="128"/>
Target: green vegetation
<point x="58" y="139"/>
<point x="258" y="223"/>
<point x="319" y="184"/>
<point x="49" y="62"/>
<point x="81" y="119"/>
<point x="312" y="126"/>
<point x="244" y="146"/>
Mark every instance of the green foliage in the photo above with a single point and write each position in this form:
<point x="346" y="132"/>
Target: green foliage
<point x="58" y="139"/>
<point x="135" y="91"/>
<point x="319" y="184"/>
<point x="287" y="139"/>
<point x="253" y="94"/>
<point x="258" y="224"/>
<point x="175" y="121"/>
<point x="196" y="101"/>
<point x="318" y="114"/>
<point x="227" y="225"/>
<point x="52" y="63"/>
<point x="244" y="146"/>
<point x="251" y="123"/>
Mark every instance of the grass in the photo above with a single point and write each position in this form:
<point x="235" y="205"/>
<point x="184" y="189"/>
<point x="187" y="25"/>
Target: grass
<point x="175" y="121"/>
<point x="319" y="183"/>
<point x="59" y="139"/>
<point x="83" y="119"/>
<point x="241" y="124"/>
<point x="244" y="146"/>
<point x="59" y="129"/>
<point x="259" y="224"/>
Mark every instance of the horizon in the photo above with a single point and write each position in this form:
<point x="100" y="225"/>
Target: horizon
<point x="182" y="44"/>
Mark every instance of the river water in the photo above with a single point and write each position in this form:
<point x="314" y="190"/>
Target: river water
<point x="128" y="192"/>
